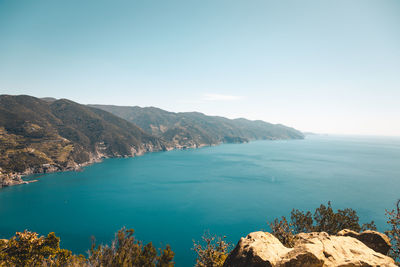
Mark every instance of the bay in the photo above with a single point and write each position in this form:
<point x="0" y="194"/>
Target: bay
<point x="232" y="189"/>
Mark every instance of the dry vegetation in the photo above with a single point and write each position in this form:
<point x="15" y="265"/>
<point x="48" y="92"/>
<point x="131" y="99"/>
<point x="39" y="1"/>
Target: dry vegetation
<point x="394" y="231"/>
<point x="211" y="251"/>
<point x="32" y="148"/>
<point x="28" y="249"/>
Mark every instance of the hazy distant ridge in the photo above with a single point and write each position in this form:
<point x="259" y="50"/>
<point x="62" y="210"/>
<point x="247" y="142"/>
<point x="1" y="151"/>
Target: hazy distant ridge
<point x="193" y="129"/>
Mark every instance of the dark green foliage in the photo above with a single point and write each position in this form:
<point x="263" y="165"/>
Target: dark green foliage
<point x="125" y="250"/>
<point x="212" y="251"/>
<point x="394" y="232"/>
<point x="27" y="249"/>
<point x="302" y="222"/>
<point x="20" y="161"/>
<point x="324" y="219"/>
<point x="194" y="128"/>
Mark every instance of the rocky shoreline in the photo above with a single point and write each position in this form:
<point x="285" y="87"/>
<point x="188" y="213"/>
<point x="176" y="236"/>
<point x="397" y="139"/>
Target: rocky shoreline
<point x="12" y="179"/>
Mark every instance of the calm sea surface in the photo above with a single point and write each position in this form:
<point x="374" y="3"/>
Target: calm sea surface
<point x="233" y="189"/>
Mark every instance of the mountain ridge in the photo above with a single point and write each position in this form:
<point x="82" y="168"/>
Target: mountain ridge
<point x="194" y="129"/>
<point x="48" y="134"/>
<point x="38" y="136"/>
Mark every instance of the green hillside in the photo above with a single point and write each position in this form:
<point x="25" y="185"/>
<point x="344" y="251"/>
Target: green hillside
<point x="192" y="129"/>
<point x="38" y="136"/>
<point x="46" y="135"/>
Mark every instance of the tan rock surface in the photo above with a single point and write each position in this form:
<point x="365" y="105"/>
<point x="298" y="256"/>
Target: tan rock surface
<point x="373" y="239"/>
<point x="311" y="249"/>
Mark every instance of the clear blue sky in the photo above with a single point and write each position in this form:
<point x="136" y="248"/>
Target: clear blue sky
<point x="322" y="66"/>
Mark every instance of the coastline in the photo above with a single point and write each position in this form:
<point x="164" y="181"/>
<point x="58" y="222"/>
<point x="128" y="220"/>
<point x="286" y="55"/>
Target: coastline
<point x="13" y="179"/>
<point x="7" y="180"/>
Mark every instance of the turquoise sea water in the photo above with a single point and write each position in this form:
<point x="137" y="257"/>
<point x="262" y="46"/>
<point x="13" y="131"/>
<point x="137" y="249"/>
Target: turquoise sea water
<point x="233" y="189"/>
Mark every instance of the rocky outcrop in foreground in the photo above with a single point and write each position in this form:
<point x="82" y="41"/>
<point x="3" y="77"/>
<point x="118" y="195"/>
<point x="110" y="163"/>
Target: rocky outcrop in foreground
<point x="372" y="239"/>
<point x="310" y="249"/>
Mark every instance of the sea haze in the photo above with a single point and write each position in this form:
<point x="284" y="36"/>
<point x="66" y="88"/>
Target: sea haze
<point x="232" y="189"/>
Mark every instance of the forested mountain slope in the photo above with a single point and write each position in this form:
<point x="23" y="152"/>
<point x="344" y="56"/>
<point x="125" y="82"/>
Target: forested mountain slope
<point x="193" y="129"/>
<point x="39" y="136"/>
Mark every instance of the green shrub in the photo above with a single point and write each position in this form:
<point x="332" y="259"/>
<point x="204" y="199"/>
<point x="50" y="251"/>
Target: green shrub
<point x="212" y="251"/>
<point x="324" y="219"/>
<point x="284" y="231"/>
<point x="394" y="232"/>
<point x="27" y="249"/>
<point x="125" y="250"/>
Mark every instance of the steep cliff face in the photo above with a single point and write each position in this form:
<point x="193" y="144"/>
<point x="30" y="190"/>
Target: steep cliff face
<point x="310" y="249"/>
<point x="38" y="136"/>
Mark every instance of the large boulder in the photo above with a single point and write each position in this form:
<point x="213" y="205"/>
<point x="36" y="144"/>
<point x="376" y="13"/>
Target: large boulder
<point x="310" y="249"/>
<point x="257" y="249"/>
<point x="373" y="239"/>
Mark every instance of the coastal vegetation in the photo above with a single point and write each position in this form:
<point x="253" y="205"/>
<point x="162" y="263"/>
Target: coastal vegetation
<point x="28" y="249"/>
<point x="324" y="219"/>
<point x="212" y="249"/>
<point x="394" y="231"/>
<point x="45" y="135"/>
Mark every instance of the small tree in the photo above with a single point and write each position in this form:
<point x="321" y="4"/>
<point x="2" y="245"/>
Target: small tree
<point x="125" y="250"/>
<point x="325" y="219"/>
<point x="212" y="251"/>
<point x="28" y="249"/>
<point x="283" y="230"/>
<point x="394" y="232"/>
